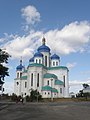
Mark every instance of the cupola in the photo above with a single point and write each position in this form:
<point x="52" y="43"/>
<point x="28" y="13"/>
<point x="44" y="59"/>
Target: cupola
<point x="43" y="47"/>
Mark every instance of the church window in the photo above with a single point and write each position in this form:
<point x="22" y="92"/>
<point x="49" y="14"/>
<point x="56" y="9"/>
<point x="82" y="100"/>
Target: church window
<point x="48" y="82"/>
<point x="17" y="83"/>
<point x="25" y="84"/>
<point x="56" y="63"/>
<point x="39" y="61"/>
<point x="53" y="63"/>
<point x="38" y="80"/>
<point x="45" y="93"/>
<point x="64" y="80"/>
<point x="60" y="90"/>
<point x="3" y="89"/>
<point x="0" y="87"/>
<point x="17" y="75"/>
<point x="45" y="60"/>
<point x="36" y="60"/>
<point x="32" y="79"/>
<point x="48" y="93"/>
<point x="20" y="75"/>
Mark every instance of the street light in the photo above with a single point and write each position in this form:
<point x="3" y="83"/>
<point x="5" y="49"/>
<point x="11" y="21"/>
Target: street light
<point x="51" y="91"/>
<point x="37" y="94"/>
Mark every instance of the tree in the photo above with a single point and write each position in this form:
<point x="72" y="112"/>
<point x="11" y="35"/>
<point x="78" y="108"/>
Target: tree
<point x="35" y="95"/>
<point x="81" y="93"/>
<point x="86" y="95"/>
<point x="3" y="69"/>
<point x="85" y="85"/>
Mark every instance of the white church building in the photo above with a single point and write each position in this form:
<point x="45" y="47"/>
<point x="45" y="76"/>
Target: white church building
<point x="44" y="74"/>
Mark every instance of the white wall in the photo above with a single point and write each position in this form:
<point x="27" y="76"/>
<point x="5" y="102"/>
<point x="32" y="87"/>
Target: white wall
<point x="55" y="61"/>
<point x="60" y="73"/>
<point x="35" y="71"/>
<point x="17" y="88"/>
<point x="38" y="60"/>
<point x="48" y="58"/>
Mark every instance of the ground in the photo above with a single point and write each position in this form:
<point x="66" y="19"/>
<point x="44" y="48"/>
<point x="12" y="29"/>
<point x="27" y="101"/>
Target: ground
<point x="45" y="111"/>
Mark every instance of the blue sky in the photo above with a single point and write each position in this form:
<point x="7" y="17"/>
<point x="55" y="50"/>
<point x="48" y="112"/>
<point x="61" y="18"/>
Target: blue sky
<point x="65" y="24"/>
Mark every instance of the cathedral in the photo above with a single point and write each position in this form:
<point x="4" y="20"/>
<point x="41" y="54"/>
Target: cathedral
<point x="44" y="73"/>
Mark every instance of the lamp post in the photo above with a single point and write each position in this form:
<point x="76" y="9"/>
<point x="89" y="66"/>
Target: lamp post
<point x="37" y="94"/>
<point x="51" y="91"/>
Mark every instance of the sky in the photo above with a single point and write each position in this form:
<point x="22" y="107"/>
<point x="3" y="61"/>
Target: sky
<point x="64" y="23"/>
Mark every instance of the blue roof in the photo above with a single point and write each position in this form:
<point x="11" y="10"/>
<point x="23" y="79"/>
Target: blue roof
<point x="38" y="54"/>
<point x="32" y="59"/>
<point x="19" y="67"/>
<point x="55" y="57"/>
<point x="44" y="48"/>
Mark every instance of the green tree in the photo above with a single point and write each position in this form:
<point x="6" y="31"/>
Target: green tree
<point x="86" y="95"/>
<point x="81" y="93"/>
<point x="35" y="96"/>
<point x="3" y="69"/>
<point x="85" y="85"/>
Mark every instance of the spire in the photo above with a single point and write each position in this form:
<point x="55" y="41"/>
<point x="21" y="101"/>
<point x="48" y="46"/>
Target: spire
<point x="43" y="41"/>
<point x="21" y="61"/>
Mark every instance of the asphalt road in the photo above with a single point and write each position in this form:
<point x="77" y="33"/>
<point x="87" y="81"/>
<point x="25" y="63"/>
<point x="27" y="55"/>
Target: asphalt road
<point x="45" y="111"/>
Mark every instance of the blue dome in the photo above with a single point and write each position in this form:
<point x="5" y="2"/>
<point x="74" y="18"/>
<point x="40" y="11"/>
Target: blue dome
<point x="44" y="48"/>
<point x="32" y="59"/>
<point x="38" y="54"/>
<point x="55" y="57"/>
<point x="19" y="67"/>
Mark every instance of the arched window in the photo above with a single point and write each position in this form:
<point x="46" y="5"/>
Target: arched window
<point x="17" y="83"/>
<point x="32" y="79"/>
<point x="17" y="75"/>
<point x="0" y="87"/>
<point x="53" y="63"/>
<point x="25" y="84"/>
<point x="20" y="75"/>
<point x="60" y="90"/>
<point x="56" y="63"/>
<point x="39" y="61"/>
<point x="45" y="60"/>
<point x="38" y="80"/>
<point x="64" y="80"/>
<point x="48" y="82"/>
<point x="36" y="60"/>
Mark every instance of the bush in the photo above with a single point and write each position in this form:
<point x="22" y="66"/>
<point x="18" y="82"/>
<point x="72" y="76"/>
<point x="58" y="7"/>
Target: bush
<point x="27" y="98"/>
<point x="35" y="96"/>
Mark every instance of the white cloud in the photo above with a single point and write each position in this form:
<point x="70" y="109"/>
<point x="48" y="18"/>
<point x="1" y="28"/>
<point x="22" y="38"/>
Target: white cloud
<point x="23" y="46"/>
<point x="85" y="72"/>
<point x="71" y="65"/>
<point x="74" y="37"/>
<point x="2" y="40"/>
<point x="30" y="14"/>
<point x="77" y="85"/>
<point x="9" y="87"/>
<point x="71" y="38"/>
<point x="78" y="82"/>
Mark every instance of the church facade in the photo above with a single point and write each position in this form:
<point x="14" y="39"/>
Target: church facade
<point x="44" y="74"/>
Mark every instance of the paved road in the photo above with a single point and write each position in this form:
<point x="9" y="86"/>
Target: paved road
<point x="45" y="111"/>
